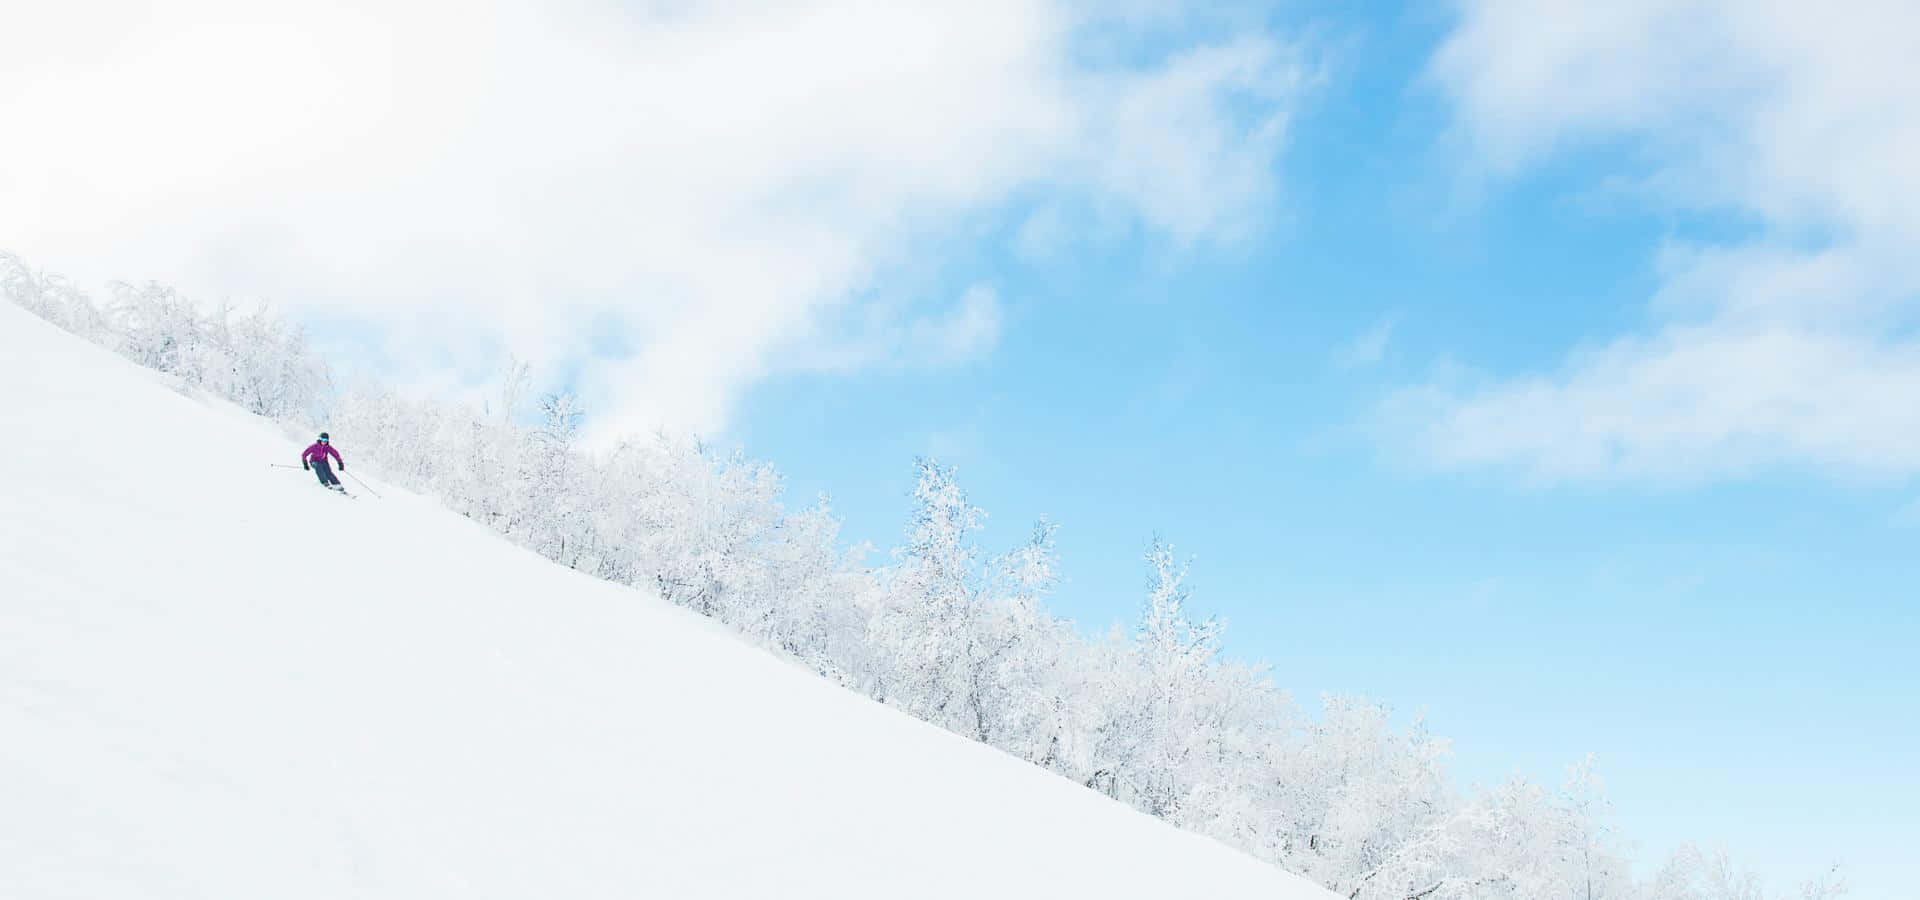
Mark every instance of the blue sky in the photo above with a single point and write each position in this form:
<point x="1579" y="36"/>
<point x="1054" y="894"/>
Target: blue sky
<point x="1546" y="367"/>
<point x="1736" y="649"/>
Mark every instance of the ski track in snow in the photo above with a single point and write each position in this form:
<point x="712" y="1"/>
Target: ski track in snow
<point x="218" y="682"/>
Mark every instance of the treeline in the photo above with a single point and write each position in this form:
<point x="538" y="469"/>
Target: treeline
<point x="942" y="629"/>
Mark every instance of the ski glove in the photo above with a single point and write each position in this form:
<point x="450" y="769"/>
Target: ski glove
<point x="343" y="465"/>
<point x="305" y="468"/>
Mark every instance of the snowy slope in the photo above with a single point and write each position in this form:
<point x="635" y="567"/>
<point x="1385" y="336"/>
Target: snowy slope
<point x="218" y="681"/>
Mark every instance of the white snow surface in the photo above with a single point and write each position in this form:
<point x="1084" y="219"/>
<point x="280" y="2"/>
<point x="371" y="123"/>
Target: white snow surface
<point x="219" y="681"/>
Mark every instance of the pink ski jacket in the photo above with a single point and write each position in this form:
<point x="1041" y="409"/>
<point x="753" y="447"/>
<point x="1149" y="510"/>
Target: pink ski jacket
<point x="319" y="453"/>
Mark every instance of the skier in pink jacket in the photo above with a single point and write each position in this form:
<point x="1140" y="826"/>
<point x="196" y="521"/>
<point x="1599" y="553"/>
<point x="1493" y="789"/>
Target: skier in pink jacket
<point x="316" y="459"/>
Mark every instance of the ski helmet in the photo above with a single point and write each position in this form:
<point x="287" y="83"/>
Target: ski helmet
<point x="323" y="436"/>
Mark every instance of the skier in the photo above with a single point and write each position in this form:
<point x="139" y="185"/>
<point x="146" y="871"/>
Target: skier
<point x="316" y="459"/>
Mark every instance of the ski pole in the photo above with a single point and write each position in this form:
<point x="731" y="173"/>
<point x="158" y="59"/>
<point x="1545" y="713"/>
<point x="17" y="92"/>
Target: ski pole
<point x="280" y="466"/>
<point x="356" y="480"/>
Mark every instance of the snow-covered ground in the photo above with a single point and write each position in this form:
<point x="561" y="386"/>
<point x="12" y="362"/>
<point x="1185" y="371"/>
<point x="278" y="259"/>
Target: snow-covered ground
<point x="218" y="681"/>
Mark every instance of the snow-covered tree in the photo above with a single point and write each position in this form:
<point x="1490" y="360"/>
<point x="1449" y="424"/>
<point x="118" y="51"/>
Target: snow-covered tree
<point x="1173" y="719"/>
<point x="927" y="628"/>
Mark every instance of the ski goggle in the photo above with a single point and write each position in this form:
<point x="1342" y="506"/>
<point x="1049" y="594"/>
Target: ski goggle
<point x="326" y="440"/>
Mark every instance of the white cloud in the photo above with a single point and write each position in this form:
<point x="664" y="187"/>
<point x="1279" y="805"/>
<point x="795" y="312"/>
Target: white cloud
<point x="968" y="332"/>
<point x="1686" y="404"/>
<point x="1370" y="347"/>
<point x="892" y="336"/>
<point x="1042" y="234"/>
<point x="720" y="182"/>
<point x="1794" y="347"/>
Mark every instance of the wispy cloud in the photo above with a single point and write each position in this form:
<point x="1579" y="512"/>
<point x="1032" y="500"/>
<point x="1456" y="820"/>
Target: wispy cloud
<point x="1793" y="348"/>
<point x="720" y="183"/>
<point x="1370" y="347"/>
<point x="966" y="334"/>
<point x="1042" y="234"/>
<point x="892" y="337"/>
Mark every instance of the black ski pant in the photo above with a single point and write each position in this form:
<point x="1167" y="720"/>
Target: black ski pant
<point x="325" y="473"/>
